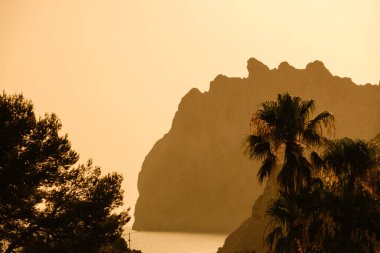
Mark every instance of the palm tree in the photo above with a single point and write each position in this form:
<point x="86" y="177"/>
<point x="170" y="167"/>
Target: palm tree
<point x="283" y="234"/>
<point x="350" y="165"/>
<point x="302" y="222"/>
<point x="351" y="161"/>
<point x="282" y="133"/>
<point x="283" y="128"/>
<point x="336" y="214"/>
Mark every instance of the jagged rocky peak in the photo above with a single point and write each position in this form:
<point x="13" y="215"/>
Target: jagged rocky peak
<point x="256" y="67"/>
<point x="192" y="94"/>
<point x="318" y="68"/>
<point x="194" y="91"/>
<point x="219" y="80"/>
<point x="285" y="66"/>
<point x="196" y="177"/>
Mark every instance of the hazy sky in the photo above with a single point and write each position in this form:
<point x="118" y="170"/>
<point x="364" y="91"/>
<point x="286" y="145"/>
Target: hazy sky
<point x="115" y="70"/>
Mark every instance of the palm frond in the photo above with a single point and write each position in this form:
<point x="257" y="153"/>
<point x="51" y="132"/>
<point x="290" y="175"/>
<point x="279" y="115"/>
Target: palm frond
<point x="314" y="128"/>
<point x="306" y="108"/>
<point x="256" y="147"/>
<point x="264" y="119"/>
<point x="268" y="112"/>
<point x="279" y="210"/>
<point x="316" y="160"/>
<point x="274" y="239"/>
<point x="351" y="158"/>
<point x="267" y="167"/>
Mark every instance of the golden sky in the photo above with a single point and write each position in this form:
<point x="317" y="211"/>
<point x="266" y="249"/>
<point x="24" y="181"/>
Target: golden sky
<point x="115" y="70"/>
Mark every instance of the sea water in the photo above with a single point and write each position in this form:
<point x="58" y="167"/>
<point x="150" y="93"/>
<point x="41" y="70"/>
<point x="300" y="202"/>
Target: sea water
<point x="176" y="242"/>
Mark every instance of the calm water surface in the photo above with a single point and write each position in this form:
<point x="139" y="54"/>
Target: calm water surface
<point x="175" y="242"/>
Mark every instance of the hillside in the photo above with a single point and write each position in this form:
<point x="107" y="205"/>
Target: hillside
<point x="196" y="177"/>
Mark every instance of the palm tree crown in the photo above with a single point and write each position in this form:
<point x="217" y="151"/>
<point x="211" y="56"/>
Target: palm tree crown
<point x="283" y="128"/>
<point x="354" y="169"/>
<point x="351" y="160"/>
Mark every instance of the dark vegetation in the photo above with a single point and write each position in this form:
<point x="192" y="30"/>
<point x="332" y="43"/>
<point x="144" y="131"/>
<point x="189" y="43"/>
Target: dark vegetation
<point x="49" y="203"/>
<point x="327" y="200"/>
<point x="328" y="190"/>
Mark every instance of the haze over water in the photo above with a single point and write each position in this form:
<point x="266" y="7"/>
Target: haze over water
<point x="172" y="242"/>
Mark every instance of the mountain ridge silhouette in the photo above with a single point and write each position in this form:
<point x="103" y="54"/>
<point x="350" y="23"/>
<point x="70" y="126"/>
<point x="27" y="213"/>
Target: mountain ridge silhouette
<point x="196" y="178"/>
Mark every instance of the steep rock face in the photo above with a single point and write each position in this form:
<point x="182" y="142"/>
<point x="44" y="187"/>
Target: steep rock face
<point x="196" y="177"/>
<point x="249" y="236"/>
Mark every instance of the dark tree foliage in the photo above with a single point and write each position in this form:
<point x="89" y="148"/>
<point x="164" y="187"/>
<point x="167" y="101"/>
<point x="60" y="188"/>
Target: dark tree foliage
<point x="282" y="134"/>
<point x="339" y="212"/>
<point x="326" y="204"/>
<point x="47" y="203"/>
<point x="350" y="168"/>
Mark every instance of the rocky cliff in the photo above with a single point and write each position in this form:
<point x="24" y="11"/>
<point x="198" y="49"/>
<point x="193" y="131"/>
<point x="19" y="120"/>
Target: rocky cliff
<point x="249" y="236"/>
<point x="196" y="177"/>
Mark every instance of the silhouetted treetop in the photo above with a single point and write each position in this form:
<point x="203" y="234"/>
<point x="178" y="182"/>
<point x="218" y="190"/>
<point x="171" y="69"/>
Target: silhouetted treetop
<point x="282" y="132"/>
<point x="48" y="203"/>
